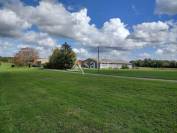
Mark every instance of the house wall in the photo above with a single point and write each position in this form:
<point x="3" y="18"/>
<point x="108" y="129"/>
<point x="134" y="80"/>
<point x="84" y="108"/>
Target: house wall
<point x="110" y="66"/>
<point x="92" y="65"/>
<point x="43" y="61"/>
<point x="89" y="63"/>
<point x="130" y="66"/>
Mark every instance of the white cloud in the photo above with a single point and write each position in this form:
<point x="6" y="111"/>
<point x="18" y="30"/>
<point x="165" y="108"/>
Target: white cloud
<point x="39" y="39"/>
<point x="152" y="32"/>
<point x="168" y="7"/>
<point x="158" y="35"/>
<point x="7" y="48"/>
<point x="167" y="53"/>
<point x="82" y="53"/>
<point x="159" y="51"/>
<point x="144" y="55"/>
<point x="155" y="34"/>
<point x="22" y="46"/>
<point x="4" y="45"/>
<point x="54" y="19"/>
<point x="169" y="49"/>
<point x="11" y="24"/>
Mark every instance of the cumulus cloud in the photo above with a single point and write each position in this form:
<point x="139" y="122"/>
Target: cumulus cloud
<point x="54" y="19"/>
<point x="4" y="45"/>
<point x="144" y="55"/>
<point x="155" y="34"/>
<point x="159" y="51"/>
<point x="168" y="7"/>
<point x="22" y="46"/>
<point x="39" y="38"/>
<point x="82" y="53"/>
<point x="170" y="49"/>
<point x="7" y="48"/>
<point x="11" y="24"/>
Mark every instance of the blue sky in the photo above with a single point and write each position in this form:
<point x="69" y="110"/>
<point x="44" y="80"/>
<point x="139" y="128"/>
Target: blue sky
<point x="139" y="26"/>
<point x="130" y="12"/>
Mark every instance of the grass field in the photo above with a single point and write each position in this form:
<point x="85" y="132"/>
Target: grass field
<point x="170" y="74"/>
<point x="33" y="100"/>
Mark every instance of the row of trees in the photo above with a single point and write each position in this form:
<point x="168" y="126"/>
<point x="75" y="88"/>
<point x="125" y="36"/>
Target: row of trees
<point x="65" y="57"/>
<point x="6" y="59"/>
<point x="155" y="63"/>
<point x="61" y="58"/>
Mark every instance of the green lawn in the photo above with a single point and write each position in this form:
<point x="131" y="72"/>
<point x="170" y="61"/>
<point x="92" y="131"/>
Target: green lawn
<point x="33" y="100"/>
<point x="170" y="74"/>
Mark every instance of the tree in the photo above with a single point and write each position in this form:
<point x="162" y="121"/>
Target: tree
<point x="62" y="58"/>
<point x="25" y="57"/>
<point x="6" y="59"/>
<point x="155" y="63"/>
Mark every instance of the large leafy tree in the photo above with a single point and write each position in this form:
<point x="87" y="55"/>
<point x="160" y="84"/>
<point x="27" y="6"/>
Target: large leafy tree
<point x="26" y="56"/>
<point x="62" y="58"/>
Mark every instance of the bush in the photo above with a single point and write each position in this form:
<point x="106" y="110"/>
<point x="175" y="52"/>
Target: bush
<point x="36" y="65"/>
<point x="47" y="66"/>
<point x="12" y="65"/>
<point x="125" y="67"/>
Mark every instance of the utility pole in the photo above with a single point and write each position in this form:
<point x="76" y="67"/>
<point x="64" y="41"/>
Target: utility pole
<point x="98" y="59"/>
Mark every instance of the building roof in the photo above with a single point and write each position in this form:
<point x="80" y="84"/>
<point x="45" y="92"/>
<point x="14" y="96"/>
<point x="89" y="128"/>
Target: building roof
<point x="90" y="59"/>
<point x="109" y="61"/>
<point x="106" y="61"/>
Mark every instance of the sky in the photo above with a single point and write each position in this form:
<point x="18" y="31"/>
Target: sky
<point x="123" y="29"/>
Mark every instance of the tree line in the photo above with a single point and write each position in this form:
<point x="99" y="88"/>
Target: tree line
<point x="61" y="58"/>
<point x="6" y="59"/>
<point x="154" y="63"/>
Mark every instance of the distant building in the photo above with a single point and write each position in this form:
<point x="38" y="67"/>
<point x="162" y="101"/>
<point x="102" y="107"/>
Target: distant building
<point x="40" y="61"/>
<point x="89" y="63"/>
<point x="114" y="64"/>
<point x="105" y="64"/>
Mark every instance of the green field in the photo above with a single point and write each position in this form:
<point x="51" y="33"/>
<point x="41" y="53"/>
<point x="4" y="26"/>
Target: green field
<point x="169" y="74"/>
<point x="33" y="100"/>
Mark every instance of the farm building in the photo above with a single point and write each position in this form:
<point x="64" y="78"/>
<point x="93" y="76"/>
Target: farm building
<point x="89" y="63"/>
<point x="114" y="64"/>
<point x="42" y="61"/>
<point x="92" y="63"/>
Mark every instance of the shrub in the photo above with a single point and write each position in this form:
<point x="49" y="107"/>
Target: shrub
<point x="47" y="66"/>
<point x="12" y="65"/>
<point x="125" y="67"/>
<point x="36" y="65"/>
